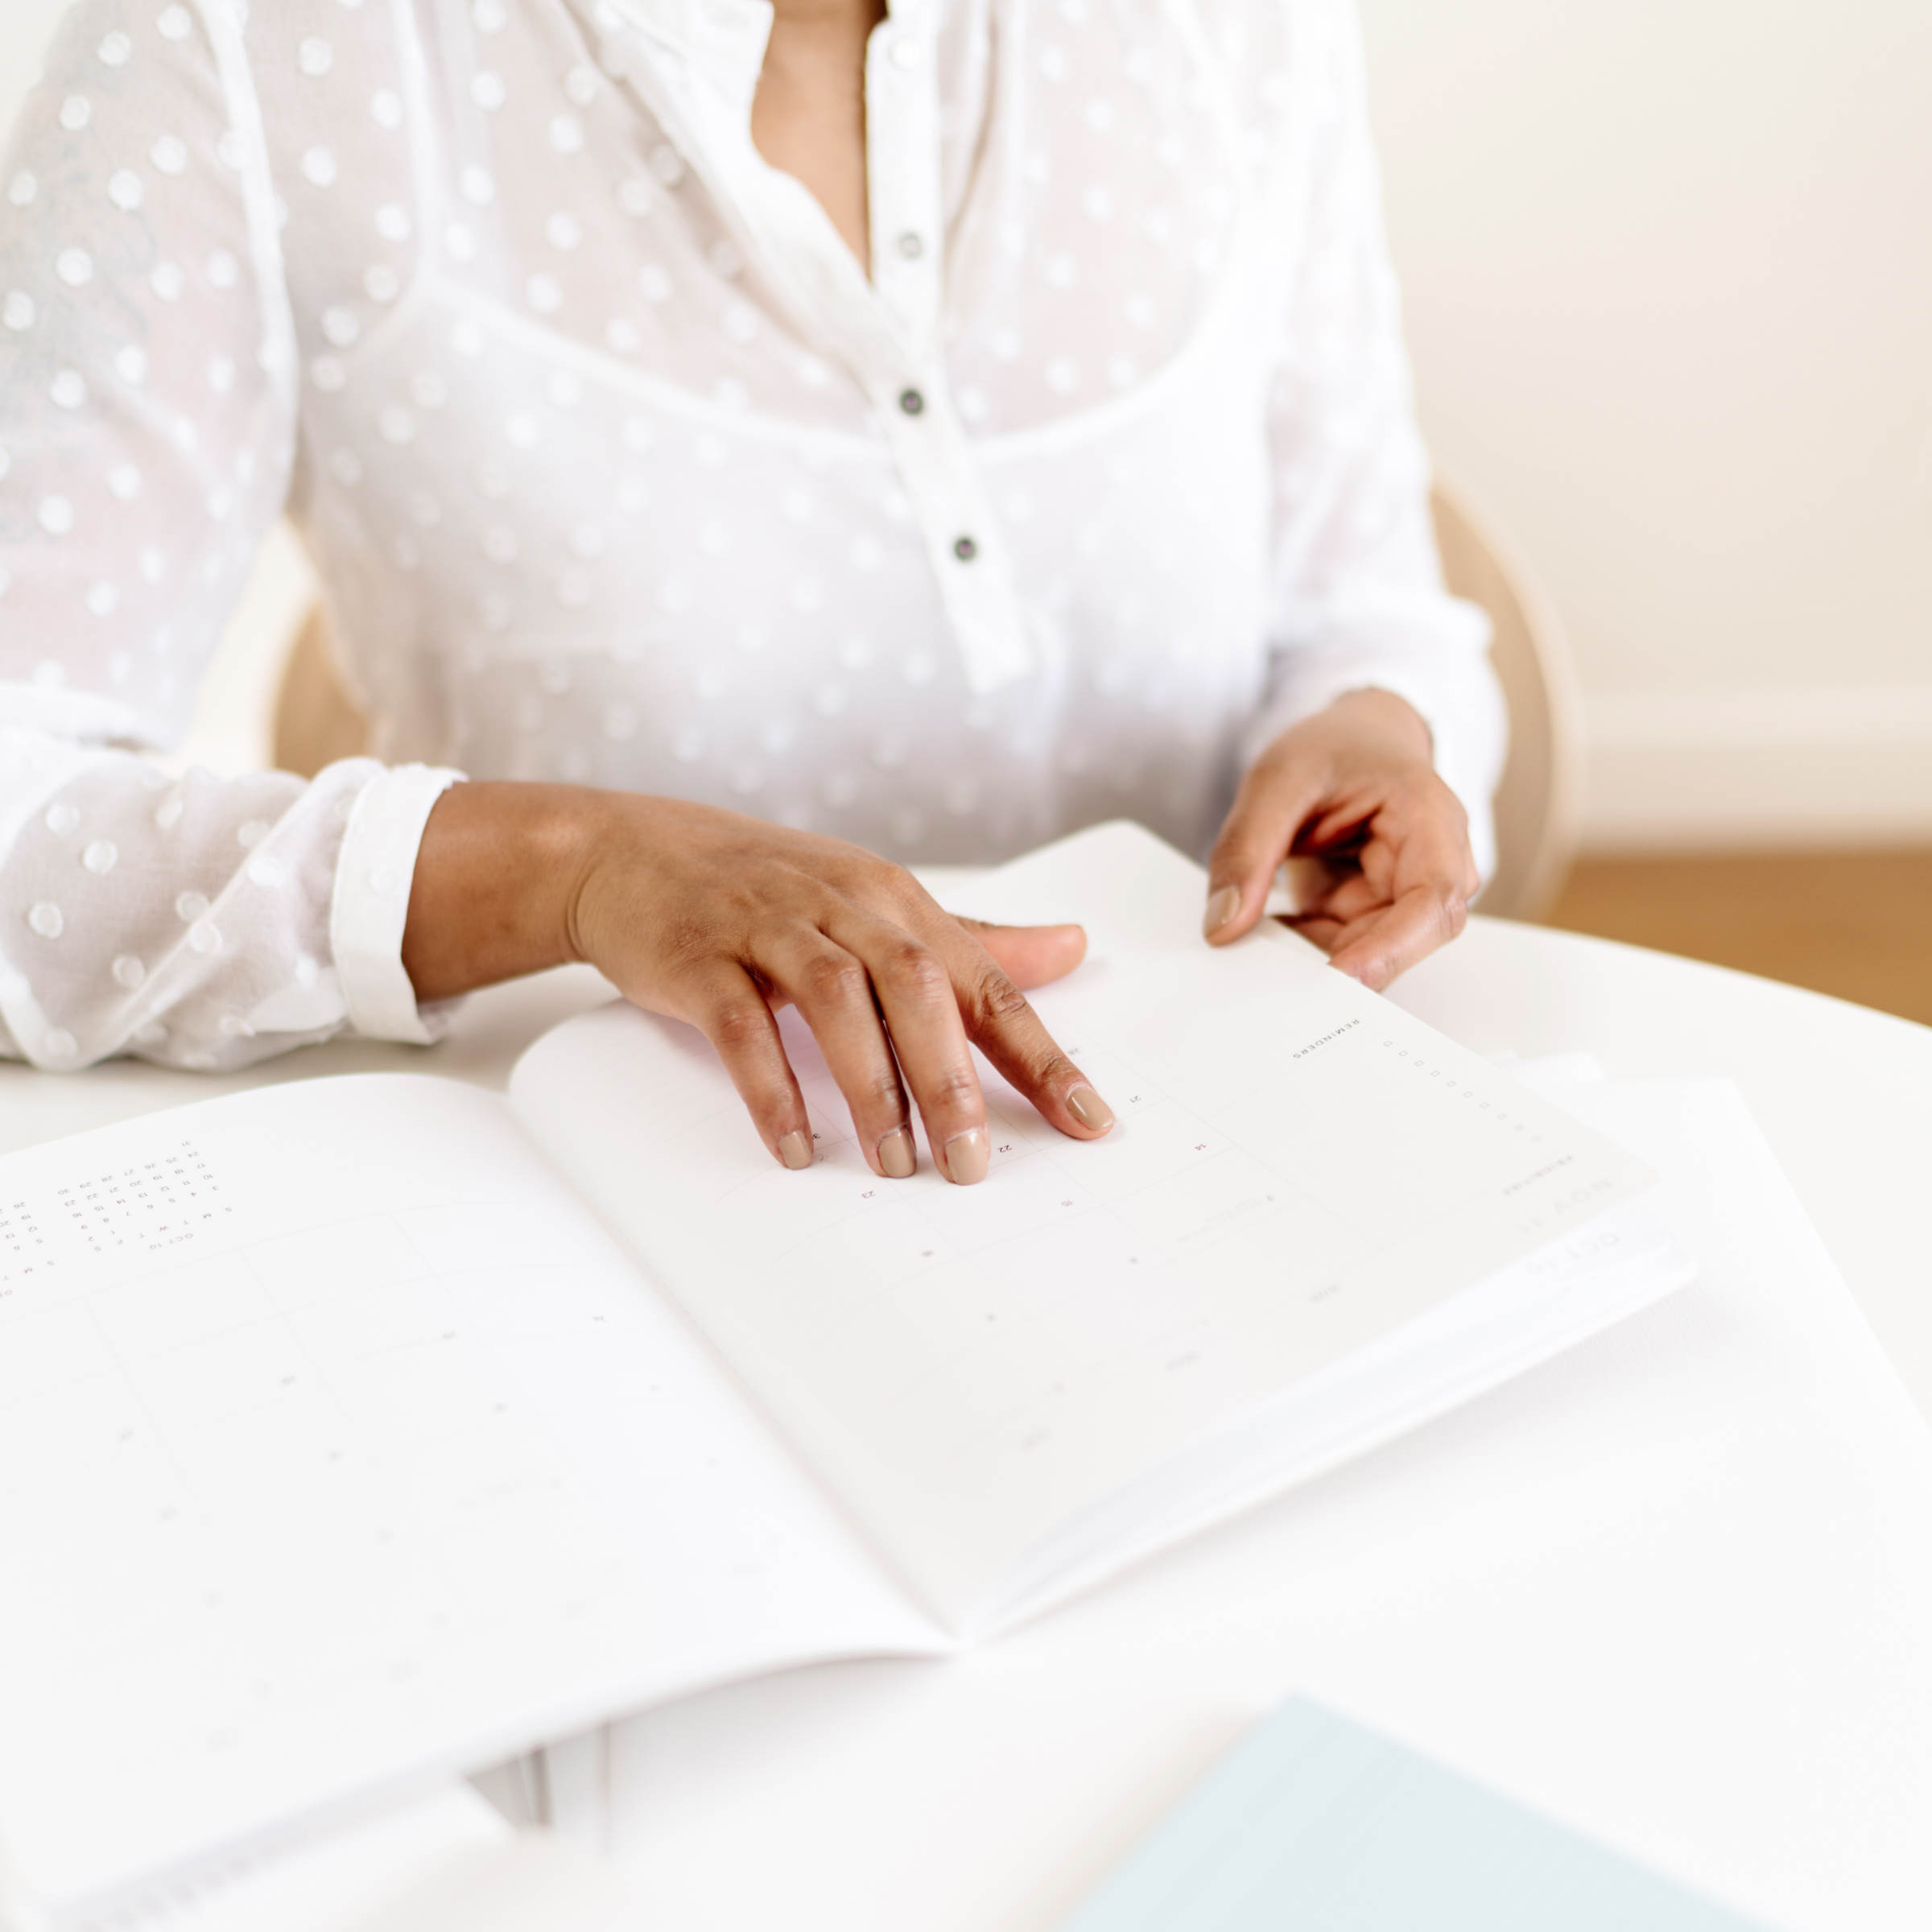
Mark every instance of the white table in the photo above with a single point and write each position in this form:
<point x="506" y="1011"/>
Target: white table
<point x="1074" y="1735"/>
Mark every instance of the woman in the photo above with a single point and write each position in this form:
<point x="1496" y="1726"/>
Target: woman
<point x="755" y="441"/>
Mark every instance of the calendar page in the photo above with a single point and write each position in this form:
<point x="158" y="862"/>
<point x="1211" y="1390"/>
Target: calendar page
<point x="1299" y="1169"/>
<point x="340" y="1445"/>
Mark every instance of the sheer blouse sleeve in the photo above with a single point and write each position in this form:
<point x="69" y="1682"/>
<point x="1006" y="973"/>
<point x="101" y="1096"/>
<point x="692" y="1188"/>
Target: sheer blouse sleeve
<point x="1357" y="595"/>
<point x="147" y="427"/>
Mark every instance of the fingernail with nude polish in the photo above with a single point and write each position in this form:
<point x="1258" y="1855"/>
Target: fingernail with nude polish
<point x="967" y="1156"/>
<point x="794" y="1150"/>
<point x="896" y="1154"/>
<point x="1090" y="1110"/>
<point x="1221" y="908"/>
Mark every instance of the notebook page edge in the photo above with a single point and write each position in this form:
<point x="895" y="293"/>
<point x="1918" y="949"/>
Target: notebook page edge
<point x="1471" y="1359"/>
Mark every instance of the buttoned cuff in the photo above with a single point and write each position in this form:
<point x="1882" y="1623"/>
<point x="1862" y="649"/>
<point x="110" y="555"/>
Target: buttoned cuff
<point x="370" y="907"/>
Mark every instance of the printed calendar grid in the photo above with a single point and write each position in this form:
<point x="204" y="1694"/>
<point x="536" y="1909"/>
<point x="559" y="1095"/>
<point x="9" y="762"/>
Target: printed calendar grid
<point x="1154" y="1310"/>
<point x="136" y="1208"/>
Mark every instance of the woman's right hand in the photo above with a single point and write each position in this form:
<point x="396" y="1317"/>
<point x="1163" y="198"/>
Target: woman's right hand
<point x="715" y="918"/>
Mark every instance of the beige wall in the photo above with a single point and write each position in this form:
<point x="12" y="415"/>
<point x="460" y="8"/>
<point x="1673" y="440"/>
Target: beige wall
<point x="1668" y="275"/>
<point x="1669" y="268"/>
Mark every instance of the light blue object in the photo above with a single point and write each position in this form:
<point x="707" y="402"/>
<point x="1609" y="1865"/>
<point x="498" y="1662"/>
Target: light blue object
<point x="1312" y="1824"/>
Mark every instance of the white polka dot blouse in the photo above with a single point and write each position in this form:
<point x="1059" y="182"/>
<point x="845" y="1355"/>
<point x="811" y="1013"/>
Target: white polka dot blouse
<point x="620" y="469"/>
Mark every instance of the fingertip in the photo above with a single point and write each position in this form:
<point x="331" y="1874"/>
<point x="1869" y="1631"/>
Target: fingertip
<point x="897" y="1156"/>
<point x="1032" y="955"/>
<point x="1221" y="917"/>
<point x="1064" y="943"/>
<point x="967" y="1156"/>
<point x="1362" y="964"/>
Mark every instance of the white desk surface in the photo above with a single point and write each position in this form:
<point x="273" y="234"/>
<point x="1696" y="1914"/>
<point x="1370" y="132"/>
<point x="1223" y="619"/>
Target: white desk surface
<point x="1136" y="1691"/>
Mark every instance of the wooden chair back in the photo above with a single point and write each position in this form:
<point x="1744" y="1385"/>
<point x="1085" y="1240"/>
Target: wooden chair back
<point x="316" y="721"/>
<point x="1539" y="804"/>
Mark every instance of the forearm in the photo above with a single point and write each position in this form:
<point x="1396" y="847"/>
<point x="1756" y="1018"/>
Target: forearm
<point x="496" y="879"/>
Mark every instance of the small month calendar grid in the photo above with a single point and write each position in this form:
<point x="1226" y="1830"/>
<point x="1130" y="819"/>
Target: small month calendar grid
<point x="144" y="1207"/>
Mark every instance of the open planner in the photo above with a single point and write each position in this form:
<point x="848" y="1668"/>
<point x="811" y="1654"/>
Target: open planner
<point x="355" y="1430"/>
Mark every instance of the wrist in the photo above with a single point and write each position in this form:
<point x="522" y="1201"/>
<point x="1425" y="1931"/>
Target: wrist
<point x="498" y="880"/>
<point x="1388" y="716"/>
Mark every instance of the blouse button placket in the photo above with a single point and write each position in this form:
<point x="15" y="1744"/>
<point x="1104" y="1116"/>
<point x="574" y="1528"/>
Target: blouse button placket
<point x="902" y="141"/>
<point x="934" y="458"/>
<point x="887" y="331"/>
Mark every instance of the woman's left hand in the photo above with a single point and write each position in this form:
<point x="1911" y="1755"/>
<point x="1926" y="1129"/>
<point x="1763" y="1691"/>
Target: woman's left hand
<point x="1355" y="784"/>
